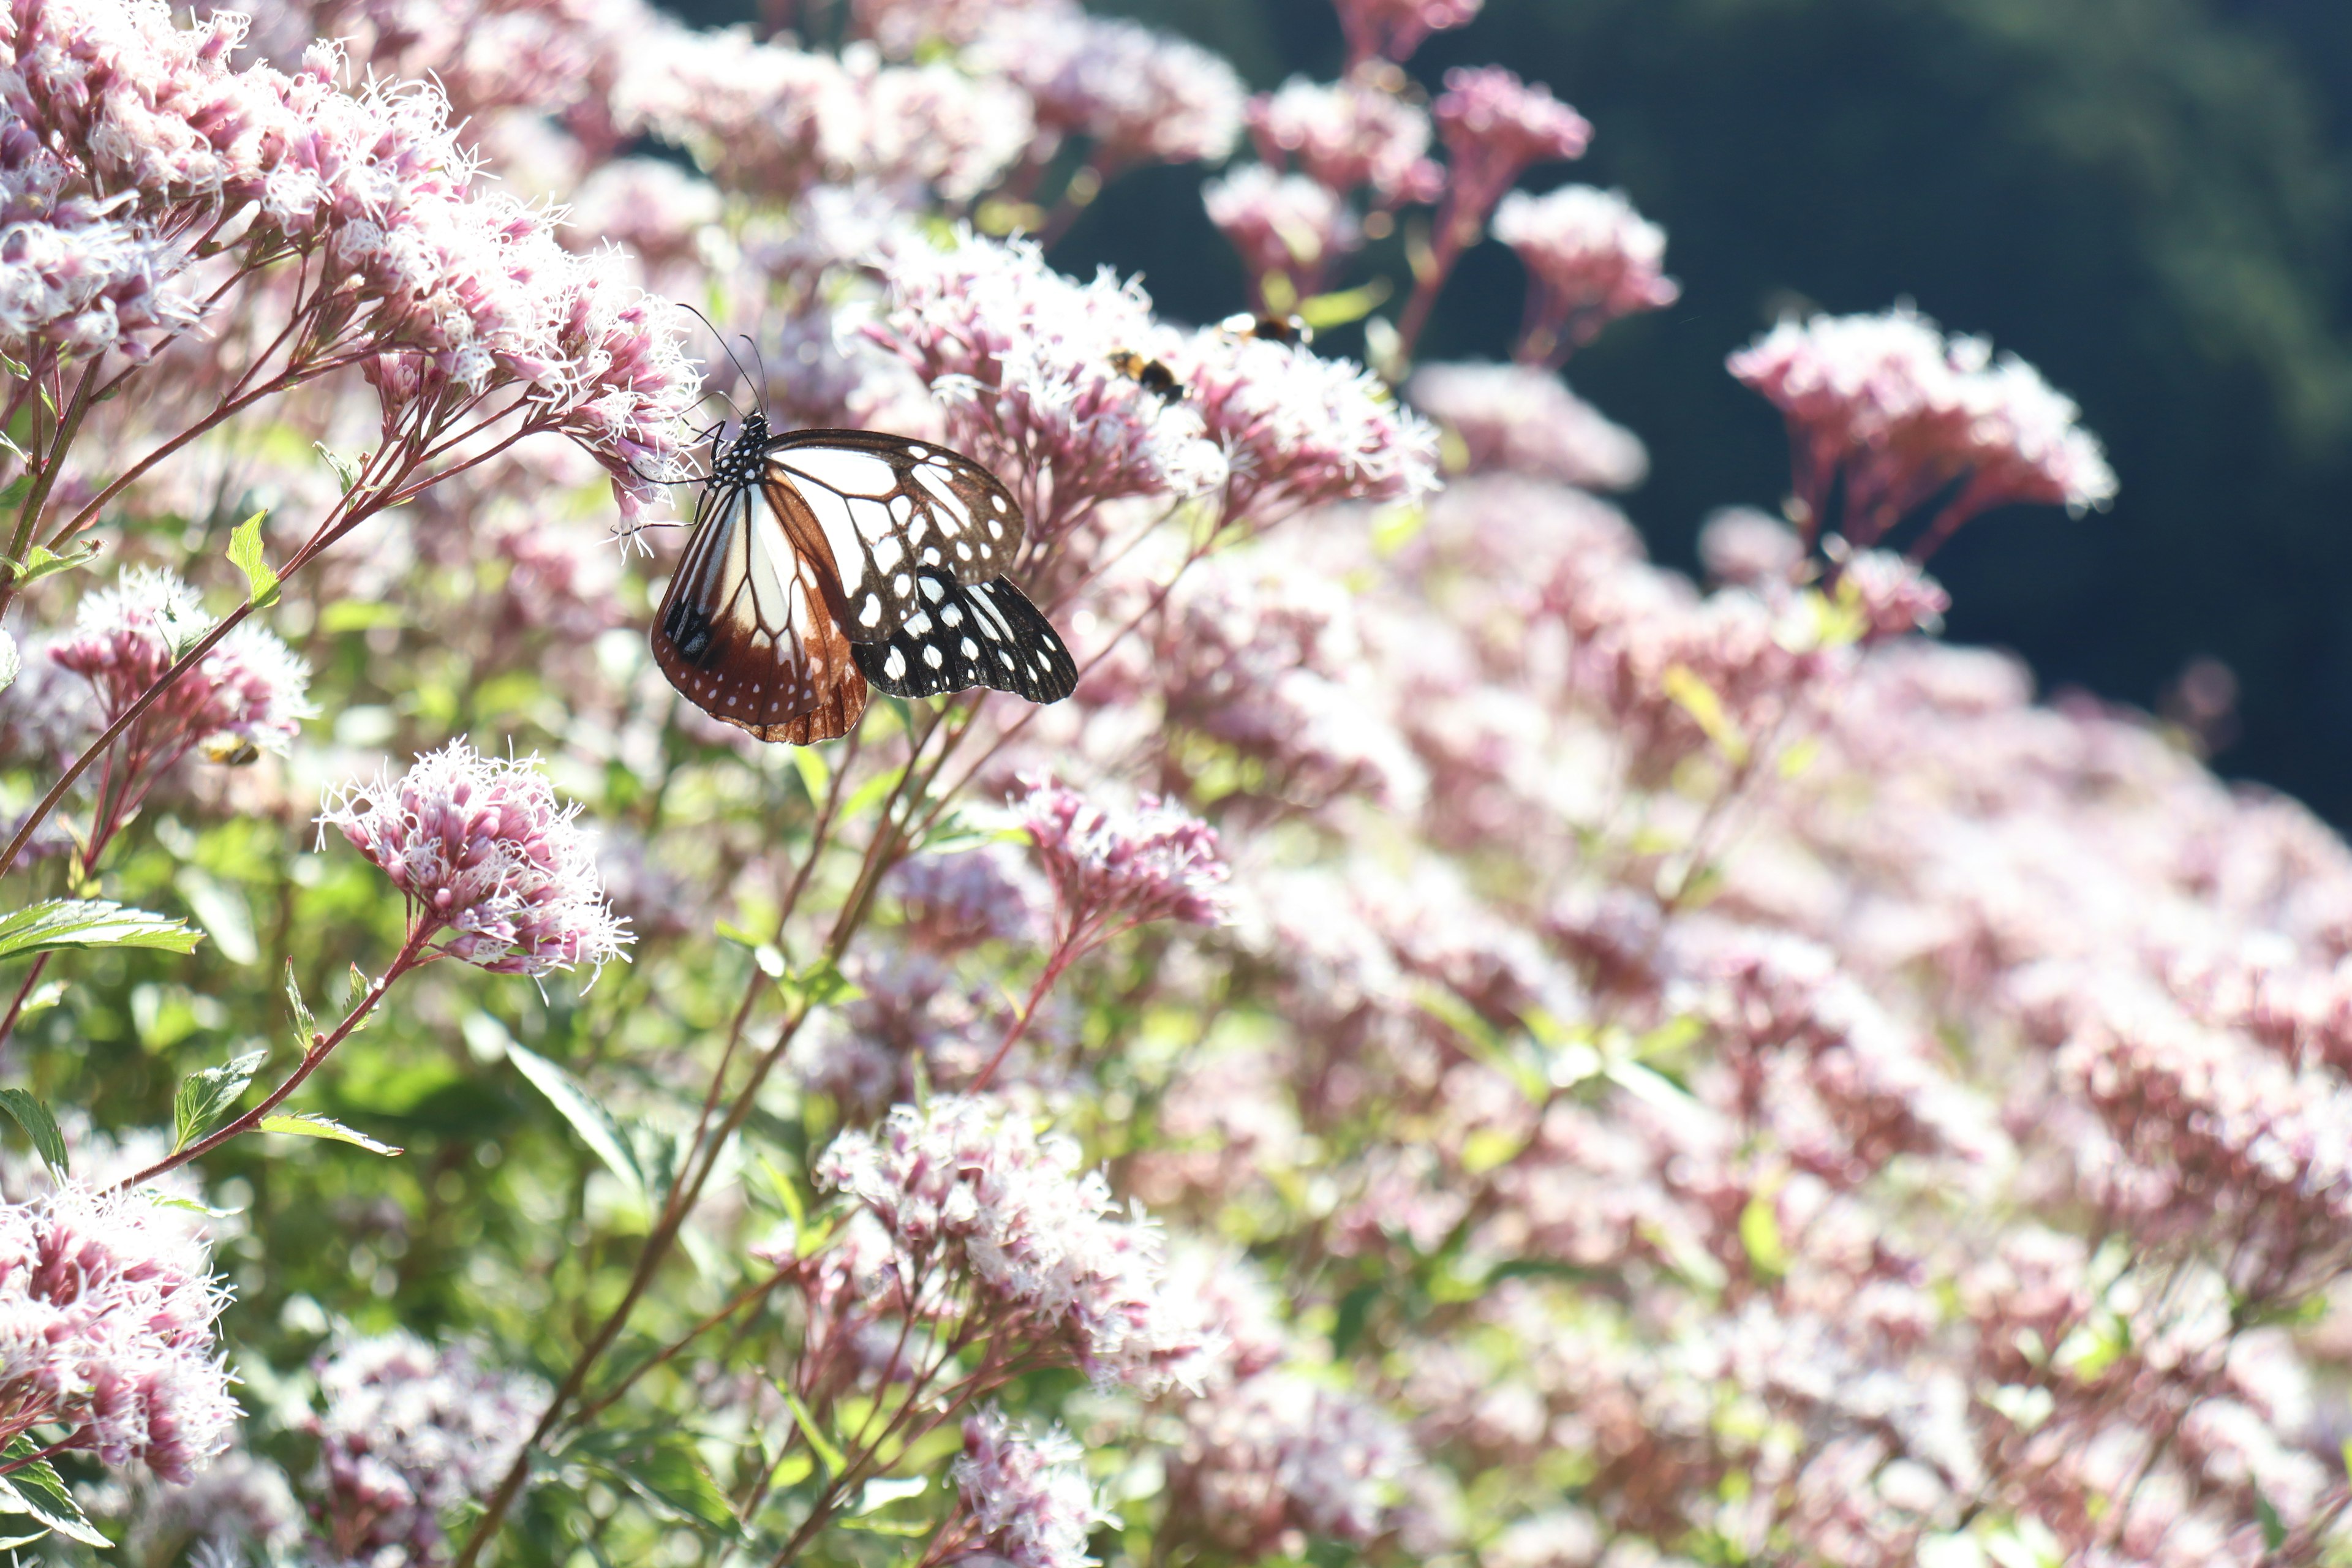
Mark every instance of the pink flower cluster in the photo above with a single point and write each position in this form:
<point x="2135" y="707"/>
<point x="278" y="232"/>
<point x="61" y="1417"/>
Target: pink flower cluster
<point x="1899" y="414"/>
<point x="1591" y="258"/>
<point x="406" y="1431"/>
<point x="1392" y="29"/>
<point x="1285" y="225"/>
<point x="1517" y="418"/>
<point x="1026" y="1493"/>
<point x="482" y="850"/>
<point x="971" y="1197"/>
<point x="250" y="686"/>
<point x="1496" y="127"/>
<point x="1112" y="871"/>
<point x="1349" y="135"/>
<point x="106" y="1319"/>
<point x="1135" y="95"/>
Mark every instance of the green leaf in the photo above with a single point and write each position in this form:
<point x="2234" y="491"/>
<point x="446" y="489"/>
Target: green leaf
<point x="819" y="1444"/>
<point x="594" y="1124"/>
<point x="1344" y="308"/>
<point x="35" y="1488"/>
<point x="306" y="1028"/>
<point x="245" y="555"/>
<point x="816" y="774"/>
<point x="208" y="1095"/>
<point x="309" y="1124"/>
<point x="91" y="923"/>
<point x="359" y="615"/>
<point x="1759" y="1233"/>
<point x="1695" y="697"/>
<point x="222" y="910"/>
<point x="40" y="562"/>
<point x="2273" y="1527"/>
<point x="672" y="1476"/>
<point x="39" y="1126"/>
<point x="869" y="793"/>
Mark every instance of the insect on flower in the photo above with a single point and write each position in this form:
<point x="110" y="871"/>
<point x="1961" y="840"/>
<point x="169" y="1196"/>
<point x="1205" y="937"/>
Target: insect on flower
<point x="1292" y="330"/>
<point x="824" y="560"/>
<point x="1149" y="373"/>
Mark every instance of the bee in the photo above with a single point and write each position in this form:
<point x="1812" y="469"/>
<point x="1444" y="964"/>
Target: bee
<point x="1291" y="330"/>
<point x="231" y="750"/>
<point x="1148" y="373"/>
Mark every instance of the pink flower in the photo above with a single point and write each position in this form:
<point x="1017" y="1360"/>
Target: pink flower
<point x="1026" y="1493"/>
<point x="1020" y="356"/>
<point x="1280" y="1453"/>
<point x="1392" y="29"/>
<point x="107" y="1330"/>
<point x="1301" y="430"/>
<point x="124" y="638"/>
<point x="1284" y="226"/>
<point x="954" y="902"/>
<point x="480" y="847"/>
<point x="1590" y="258"/>
<point x="1895" y="412"/>
<point x="1113" y="871"/>
<point x="1139" y="95"/>
<point x="1347" y="134"/>
<point x="406" y="1431"/>
<point x="1520" y="419"/>
<point x="1892" y="594"/>
<point x="1030" y="1239"/>
<point x="1494" y="127"/>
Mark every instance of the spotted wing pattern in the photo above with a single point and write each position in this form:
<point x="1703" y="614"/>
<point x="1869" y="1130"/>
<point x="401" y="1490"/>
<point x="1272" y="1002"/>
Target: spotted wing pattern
<point x="893" y="510"/>
<point x="748" y="630"/>
<point x="983" y="634"/>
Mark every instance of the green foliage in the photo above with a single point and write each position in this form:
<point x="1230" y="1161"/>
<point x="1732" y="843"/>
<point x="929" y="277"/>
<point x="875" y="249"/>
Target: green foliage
<point x="208" y="1095"/>
<point x="89" y="923"/>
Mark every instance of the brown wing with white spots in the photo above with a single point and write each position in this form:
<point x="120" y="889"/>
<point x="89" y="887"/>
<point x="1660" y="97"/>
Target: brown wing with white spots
<point x="747" y="628"/>
<point x="892" y="508"/>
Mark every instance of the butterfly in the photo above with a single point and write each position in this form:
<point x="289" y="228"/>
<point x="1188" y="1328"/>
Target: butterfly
<point x="822" y="562"/>
<point x="1149" y="373"/>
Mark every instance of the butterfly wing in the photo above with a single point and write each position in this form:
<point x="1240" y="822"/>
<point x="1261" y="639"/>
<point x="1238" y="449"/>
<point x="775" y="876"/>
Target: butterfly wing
<point x="747" y="628"/>
<point x="981" y="634"/>
<point x="891" y="510"/>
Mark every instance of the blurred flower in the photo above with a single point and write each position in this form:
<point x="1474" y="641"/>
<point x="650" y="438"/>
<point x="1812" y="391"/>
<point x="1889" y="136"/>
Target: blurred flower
<point x="952" y="901"/>
<point x="1494" y="127"/>
<point x="1346" y="135"/>
<point x="1039" y="1243"/>
<point x="1590" y="258"/>
<point x="238" y="1501"/>
<point x="1279" y="1453"/>
<point x="1518" y="418"/>
<point x="1137" y="95"/>
<point x="1027" y="1493"/>
<point x="480" y="847"/>
<point x="108" y="1320"/>
<point x="1392" y="29"/>
<point x="1887" y="408"/>
<point x="406" y="1431"/>
<point x="1283" y="225"/>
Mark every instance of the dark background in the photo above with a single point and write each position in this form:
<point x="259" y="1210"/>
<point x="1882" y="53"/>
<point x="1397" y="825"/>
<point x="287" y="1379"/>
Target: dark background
<point x="2145" y="199"/>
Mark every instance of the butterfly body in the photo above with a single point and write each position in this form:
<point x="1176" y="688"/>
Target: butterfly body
<point x="822" y="560"/>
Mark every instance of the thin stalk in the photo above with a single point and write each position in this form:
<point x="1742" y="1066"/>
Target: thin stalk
<point x="411" y="956"/>
<point x="736" y="1303"/>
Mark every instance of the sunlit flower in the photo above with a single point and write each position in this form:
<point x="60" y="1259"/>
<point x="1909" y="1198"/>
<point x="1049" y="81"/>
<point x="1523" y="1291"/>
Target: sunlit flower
<point x="1590" y="258"/>
<point x="1283" y="225"/>
<point x="1111" y="870"/>
<point x="1027" y="1493"/>
<point x="1494" y="127"/>
<point x="106" y="1331"/>
<point x="1137" y="95"/>
<point x="1347" y="134"/>
<point x="482" y="850"/>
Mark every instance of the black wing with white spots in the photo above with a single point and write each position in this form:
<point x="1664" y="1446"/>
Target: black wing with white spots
<point x="986" y="633"/>
<point x="893" y="510"/>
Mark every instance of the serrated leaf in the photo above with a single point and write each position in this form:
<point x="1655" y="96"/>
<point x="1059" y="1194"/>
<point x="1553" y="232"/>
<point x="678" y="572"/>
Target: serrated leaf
<point x="245" y="555"/>
<point x="91" y="923"/>
<point x="40" y="562"/>
<point x="356" y="984"/>
<point x="310" y="1124"/>
<point x="206" y="1095"/>
<point x="819" y="1444"/>
<point x="35" y="1488"/>
<point x="306" y="1028"/>
<point x="39" y="1126"/>
<point x="594" y="1124"/>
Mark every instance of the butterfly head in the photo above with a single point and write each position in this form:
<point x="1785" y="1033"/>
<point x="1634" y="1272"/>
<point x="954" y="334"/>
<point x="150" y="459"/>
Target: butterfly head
<point x="739" y="462"/>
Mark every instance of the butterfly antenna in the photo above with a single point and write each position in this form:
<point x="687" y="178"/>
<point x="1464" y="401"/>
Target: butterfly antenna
<point x="728" y="349"/>
<point x="760" y="359"/>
